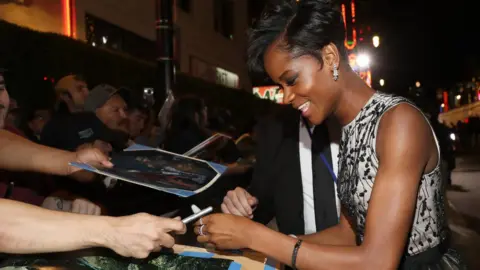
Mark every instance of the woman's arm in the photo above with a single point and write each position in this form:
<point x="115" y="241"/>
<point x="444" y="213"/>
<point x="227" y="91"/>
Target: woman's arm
<point x="404" y="146"/>
<point x="341" y="234"/>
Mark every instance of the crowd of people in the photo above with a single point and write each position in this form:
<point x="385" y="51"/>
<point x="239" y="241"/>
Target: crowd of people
<point x="87" y="126"/>
<point x="352" y="176"/>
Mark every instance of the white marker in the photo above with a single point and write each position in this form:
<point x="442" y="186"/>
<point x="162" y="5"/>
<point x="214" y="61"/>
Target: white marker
<point x="197" y="215"/>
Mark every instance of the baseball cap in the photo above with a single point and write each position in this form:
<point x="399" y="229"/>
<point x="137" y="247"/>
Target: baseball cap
<point x="98" y="96"/>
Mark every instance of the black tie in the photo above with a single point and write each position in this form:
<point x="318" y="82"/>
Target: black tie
<point x="323" y="181"/>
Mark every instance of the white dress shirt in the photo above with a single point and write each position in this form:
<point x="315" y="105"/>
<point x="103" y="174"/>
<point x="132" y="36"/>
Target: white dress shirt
<point x="304" y="147"/>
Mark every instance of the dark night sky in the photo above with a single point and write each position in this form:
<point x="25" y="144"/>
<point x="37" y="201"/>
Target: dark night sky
<point x="430" y="41"/>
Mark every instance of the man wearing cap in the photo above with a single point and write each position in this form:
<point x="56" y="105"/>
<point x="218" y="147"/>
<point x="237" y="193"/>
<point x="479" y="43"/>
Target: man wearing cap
<point x="102" y="125"/>
<point x="103" y="120"/>
<point x="70" y="94"/>
<point x="110" y="107"/>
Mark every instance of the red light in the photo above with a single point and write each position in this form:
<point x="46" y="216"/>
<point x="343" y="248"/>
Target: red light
<point x="465" y="121"/>
<point x="69" y="18"/>
<point x="354" y="40"/>
<point x="445" y="101"/>
<point x="353" y="43"/>
<point x="361" y="39"/>
<point x="67" y="25"/>
<point x="353" y="12"/>
<point x="45" y="78"/>
<point x="52" y="80"/>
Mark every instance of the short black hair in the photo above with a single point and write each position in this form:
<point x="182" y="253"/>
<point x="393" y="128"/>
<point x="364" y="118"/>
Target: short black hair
<point x="305" y="26"/>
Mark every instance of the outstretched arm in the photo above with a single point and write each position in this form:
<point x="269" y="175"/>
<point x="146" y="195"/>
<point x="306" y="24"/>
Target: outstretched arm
<point x="19" y="154"/>
<point x="31" y="229"/>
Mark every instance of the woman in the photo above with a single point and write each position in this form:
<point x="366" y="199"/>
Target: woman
<point x="389" y="177"/>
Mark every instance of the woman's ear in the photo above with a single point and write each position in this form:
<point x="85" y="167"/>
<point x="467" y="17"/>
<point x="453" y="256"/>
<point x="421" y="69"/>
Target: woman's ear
<point x="331" y="56"/>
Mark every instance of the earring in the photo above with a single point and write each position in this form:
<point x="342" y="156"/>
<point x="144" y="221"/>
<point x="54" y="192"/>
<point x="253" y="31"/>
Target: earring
<point x="335" y="72"/>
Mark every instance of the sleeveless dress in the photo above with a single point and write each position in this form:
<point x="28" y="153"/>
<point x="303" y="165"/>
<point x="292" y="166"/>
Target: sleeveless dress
<point x="427" y="246"/>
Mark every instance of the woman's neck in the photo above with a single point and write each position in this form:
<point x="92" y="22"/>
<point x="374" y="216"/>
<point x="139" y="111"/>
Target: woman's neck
<point x="354" y="95"/>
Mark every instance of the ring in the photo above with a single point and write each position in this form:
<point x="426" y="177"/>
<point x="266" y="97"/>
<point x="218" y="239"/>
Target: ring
<point x="201" y="230"/>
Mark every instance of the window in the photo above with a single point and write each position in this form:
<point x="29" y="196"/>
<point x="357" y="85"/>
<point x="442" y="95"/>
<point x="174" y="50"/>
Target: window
<point x="226" y="78"/>
<point x="101" y="33"/>
<point x="185" y="5"/>
<point x="223" y="17"/>
<point x="203" y="70"/>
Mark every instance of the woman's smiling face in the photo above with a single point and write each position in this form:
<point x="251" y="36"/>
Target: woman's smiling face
<point x="308" y="84"/>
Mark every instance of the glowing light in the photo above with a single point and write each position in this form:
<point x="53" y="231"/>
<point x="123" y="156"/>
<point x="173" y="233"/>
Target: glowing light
<point x="382" y="82"/>
<point x="104" y="40"/>
<point x="459" y="97"/>
<point x="376" y="41"/>
<point x="69" y="18"/>
<point x="45" y="78"/>
<point x="366" y="76"/>
<point x="350" y="45"/>
<point x="418" y="84"/>
<point x="445" y="100"/>
<point x="352" y="60"/>
<point x="363" y="61"/>
<point x="353" y="11"/>
<point x="443" y="105"/>
<point x="94" y="44"/>
<point x="452" y="136"/>
<point x="67" y="23"/>
<point x="73" y="18"/>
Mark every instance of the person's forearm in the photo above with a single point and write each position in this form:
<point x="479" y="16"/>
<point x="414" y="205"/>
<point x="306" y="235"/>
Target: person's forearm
<point x="335" y="235"/>
<point x="19" y="154"/>
<point x="310" y="256"/>
<point x="29" y="229"/>
<point x="237" y="168"/>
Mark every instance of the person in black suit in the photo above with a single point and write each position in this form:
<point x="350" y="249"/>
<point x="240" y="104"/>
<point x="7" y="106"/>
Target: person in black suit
<point x="279" y="188"/>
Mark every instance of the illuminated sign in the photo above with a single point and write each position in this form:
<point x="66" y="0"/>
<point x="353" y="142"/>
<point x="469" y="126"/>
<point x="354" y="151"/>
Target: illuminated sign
<point x="273" y="93"/>
<point x="350" y="44"/>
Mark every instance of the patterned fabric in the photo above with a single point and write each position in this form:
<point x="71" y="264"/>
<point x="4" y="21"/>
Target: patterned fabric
<point x="358" y="165"/>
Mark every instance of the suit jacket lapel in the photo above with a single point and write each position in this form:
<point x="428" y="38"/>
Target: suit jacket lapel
<point x="290" y="174"/>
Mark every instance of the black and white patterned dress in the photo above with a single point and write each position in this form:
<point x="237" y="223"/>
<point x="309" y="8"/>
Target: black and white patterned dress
<point x="358" y="166"/>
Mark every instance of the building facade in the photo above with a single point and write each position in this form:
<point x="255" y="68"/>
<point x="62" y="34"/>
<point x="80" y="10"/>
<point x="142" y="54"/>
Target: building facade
<point x="209" y="34"/>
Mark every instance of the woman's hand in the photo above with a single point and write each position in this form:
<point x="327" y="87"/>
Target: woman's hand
<point x="225" y="231"/>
